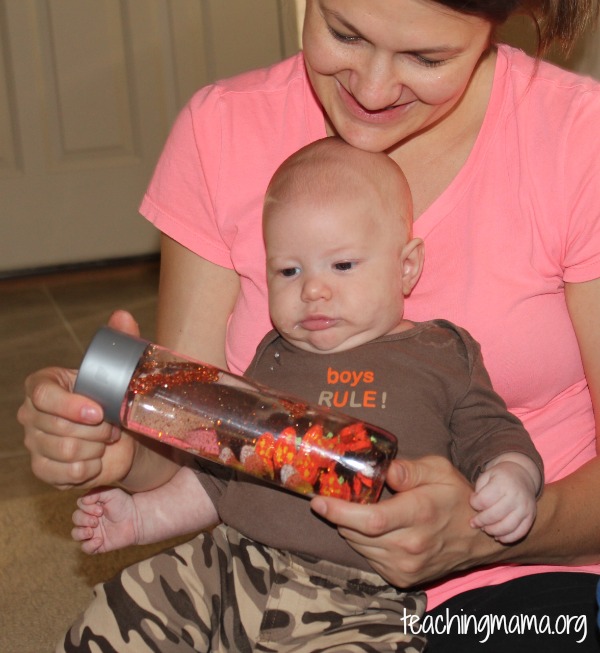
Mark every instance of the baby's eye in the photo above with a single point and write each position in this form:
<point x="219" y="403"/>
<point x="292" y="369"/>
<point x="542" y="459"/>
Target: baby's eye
<point x="343" y="266"/>
<point x="289" y="272"/>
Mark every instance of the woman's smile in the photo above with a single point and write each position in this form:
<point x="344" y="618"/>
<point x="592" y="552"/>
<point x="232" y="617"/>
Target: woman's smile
<point x="377" y="116"/>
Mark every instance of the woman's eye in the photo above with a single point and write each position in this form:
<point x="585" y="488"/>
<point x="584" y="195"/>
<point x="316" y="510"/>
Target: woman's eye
<point x="290" y="272"/>
<point x="343" y="266"/>
<point x="429" y="63"/>
<point x="344" y="38"/>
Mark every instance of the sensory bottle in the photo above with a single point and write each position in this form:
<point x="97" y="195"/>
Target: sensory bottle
<point x="234" y="421"/>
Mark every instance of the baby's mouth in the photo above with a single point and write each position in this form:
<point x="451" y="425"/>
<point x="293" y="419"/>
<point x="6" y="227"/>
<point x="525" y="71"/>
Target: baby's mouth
<point x="318" y="322"/>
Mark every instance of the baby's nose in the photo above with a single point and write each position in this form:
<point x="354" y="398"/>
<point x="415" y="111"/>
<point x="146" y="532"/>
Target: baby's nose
<point x="315" y="288"/>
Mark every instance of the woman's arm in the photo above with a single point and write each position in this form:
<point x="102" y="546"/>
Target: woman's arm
<point x="195" y="300"/>
<point x="560" y="534"/>
<point x="422" y="533"/>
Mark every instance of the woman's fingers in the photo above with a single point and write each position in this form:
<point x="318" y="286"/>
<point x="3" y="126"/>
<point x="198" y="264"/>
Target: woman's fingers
<point x="418" y="534"/>
<point x="69" y="443"/>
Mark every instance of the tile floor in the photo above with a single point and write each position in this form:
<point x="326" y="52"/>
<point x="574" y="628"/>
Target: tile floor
<point x="48" y="320"/>
<point x="45" y="580"/>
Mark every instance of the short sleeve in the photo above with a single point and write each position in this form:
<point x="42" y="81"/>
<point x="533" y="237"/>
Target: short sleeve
<point x="581" y="258"/>
<point x="180" y="200"/>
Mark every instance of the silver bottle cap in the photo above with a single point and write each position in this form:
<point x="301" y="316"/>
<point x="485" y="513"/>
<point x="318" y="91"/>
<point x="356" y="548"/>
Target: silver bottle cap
<point x="107" y="368"/>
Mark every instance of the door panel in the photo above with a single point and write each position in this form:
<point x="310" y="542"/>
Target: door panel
<point x="88" y="91"/>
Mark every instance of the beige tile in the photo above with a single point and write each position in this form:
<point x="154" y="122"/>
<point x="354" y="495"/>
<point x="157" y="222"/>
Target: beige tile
<point x="24" y="313"/>
<point x="24" y="353"/>
<point x="32" y="335"/>
<point x="17" y="479"/>
<point x="87" y="302"/>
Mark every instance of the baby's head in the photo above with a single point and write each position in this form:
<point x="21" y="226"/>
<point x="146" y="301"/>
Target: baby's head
<point x="337" y="225"/>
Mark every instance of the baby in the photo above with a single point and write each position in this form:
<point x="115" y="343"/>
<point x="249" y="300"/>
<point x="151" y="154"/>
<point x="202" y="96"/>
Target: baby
<point x="340" y="260"/>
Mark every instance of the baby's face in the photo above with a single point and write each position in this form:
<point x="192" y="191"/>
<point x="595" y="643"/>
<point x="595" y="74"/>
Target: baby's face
<point x="334" y="272"/>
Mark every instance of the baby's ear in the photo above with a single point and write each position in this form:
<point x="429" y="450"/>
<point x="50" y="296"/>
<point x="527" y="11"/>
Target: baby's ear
<point x="411" y="260"/>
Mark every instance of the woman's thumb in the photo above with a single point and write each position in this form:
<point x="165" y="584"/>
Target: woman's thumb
<point x="124" y="321"/>
<point x="405" y="475"/>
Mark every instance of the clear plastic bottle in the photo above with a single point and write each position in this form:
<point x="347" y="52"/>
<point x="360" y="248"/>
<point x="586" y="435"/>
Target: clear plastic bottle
<point x="234" y="421"/>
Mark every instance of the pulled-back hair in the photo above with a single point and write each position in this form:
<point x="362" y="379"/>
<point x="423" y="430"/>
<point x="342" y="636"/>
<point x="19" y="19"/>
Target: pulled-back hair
<point x="556" y="21"/>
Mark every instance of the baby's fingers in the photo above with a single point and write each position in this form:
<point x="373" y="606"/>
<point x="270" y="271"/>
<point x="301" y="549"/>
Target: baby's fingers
<point x="91" y="502"/>
<point x="83" y="519"/>
<point x="489" y="517"/>
<point x="91" y="546"/>
<point x="486" y="496"/>
<point x="507" y="529"/>
<point x="82" y="533"/>
<point x="519" y="532"/>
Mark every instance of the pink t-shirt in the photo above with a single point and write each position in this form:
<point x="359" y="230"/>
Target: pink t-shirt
<point x="520" y="219"/>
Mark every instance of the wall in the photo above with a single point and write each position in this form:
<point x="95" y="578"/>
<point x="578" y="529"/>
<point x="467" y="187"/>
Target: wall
<point x="88" y="92"/>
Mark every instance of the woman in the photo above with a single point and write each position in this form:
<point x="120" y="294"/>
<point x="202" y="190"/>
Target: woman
<point x="499" y="152"/>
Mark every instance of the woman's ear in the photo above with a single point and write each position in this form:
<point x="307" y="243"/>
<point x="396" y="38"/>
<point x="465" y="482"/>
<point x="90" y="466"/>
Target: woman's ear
<point x="411" y="261"/>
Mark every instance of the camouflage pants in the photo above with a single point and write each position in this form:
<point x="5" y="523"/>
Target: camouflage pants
<point x="223" y="592"/>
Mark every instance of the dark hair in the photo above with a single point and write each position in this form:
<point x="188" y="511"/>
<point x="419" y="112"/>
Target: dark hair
<point x="557" y="21"/>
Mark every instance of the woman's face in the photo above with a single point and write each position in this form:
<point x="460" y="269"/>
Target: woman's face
<point x="385" y="70"/>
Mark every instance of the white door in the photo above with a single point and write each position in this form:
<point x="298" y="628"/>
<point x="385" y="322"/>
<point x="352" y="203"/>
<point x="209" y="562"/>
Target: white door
<point x="88" y="91"/>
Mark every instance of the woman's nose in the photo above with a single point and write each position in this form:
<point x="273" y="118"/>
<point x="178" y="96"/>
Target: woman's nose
<point x="315" y="288"/>
<point x="375" y="84"/>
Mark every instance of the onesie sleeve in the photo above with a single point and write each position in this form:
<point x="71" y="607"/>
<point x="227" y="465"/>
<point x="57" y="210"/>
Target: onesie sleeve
<point x="482" y="427"/>
<point x="180" y="200"/>
<point x="213" y="478"/>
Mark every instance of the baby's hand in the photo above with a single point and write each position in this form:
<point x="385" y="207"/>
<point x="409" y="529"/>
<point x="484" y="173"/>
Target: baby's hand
<point x="505" y="496"/>
<point x="105" y="520"/>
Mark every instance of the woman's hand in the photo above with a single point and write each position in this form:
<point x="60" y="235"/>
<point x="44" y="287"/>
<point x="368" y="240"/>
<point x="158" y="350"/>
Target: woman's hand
<point x="69" y="442"/>
<point x="419" y="534"/>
